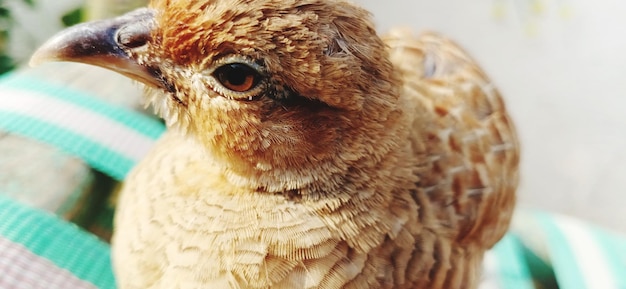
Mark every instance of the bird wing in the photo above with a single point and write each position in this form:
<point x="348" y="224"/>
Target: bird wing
<point x="468" y="143"/>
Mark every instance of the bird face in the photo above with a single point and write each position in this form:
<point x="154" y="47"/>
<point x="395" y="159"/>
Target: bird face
<point x="266" y="85"/>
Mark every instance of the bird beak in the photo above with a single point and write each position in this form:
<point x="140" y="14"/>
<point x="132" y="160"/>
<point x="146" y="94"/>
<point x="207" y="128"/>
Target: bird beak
<point x="106" y="43"/>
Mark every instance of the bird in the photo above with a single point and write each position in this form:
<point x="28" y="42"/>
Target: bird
<point x="303" y="149"/>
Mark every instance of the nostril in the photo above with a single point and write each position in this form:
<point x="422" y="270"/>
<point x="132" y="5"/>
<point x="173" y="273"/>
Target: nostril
<point x="133" y="35"/>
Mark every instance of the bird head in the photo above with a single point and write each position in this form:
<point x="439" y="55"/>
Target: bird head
<point x="280" y="91"/>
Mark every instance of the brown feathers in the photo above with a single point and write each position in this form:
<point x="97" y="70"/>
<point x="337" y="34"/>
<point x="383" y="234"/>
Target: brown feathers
<point x="306" y="152"/>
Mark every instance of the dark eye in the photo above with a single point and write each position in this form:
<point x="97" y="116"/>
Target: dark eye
<point x="237" y="77"/>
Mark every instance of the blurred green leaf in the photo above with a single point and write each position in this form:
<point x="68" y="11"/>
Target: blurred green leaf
<point x="73" y="17"/>
<point x="6" y="64"/>
<point x="4" y="12"/>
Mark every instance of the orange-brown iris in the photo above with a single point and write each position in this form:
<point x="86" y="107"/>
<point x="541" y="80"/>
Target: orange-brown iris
<point x="237" y="77"/>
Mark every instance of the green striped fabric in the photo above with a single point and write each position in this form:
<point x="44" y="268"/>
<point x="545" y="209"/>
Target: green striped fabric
<point x="64" y="244"/>
<point x="509" y="267"/>
<point x="109" y="138"/>
<point x="579" y="255"/>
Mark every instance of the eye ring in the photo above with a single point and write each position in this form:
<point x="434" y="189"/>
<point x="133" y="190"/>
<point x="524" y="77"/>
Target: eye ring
<point x="237" y="77"/>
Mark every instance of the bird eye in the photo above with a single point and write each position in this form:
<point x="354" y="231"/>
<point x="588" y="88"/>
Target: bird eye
<point x="237" y="77"/>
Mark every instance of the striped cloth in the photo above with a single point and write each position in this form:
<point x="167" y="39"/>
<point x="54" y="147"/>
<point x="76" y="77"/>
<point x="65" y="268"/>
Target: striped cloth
<point x="39" y="250"/>
<point x="569" y="252"/>
<point x="110" y="138"/>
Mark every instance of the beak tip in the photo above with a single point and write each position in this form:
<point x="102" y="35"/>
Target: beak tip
<point x="41" y="56"/>
<point x="36" y="59"/>
<point x="51" y="50"/>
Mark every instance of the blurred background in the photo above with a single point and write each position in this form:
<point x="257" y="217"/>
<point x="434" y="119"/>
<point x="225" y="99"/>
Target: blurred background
<point x="559" y="63"/>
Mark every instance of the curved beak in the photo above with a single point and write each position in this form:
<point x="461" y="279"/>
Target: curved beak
<point x="107" y="43"/>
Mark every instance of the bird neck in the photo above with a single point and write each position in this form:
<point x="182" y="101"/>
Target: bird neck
<point x="375" y="155"/>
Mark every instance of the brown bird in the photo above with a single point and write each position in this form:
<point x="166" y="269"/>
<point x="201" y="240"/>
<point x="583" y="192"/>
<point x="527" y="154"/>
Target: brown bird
<point x="303" y="151"/>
